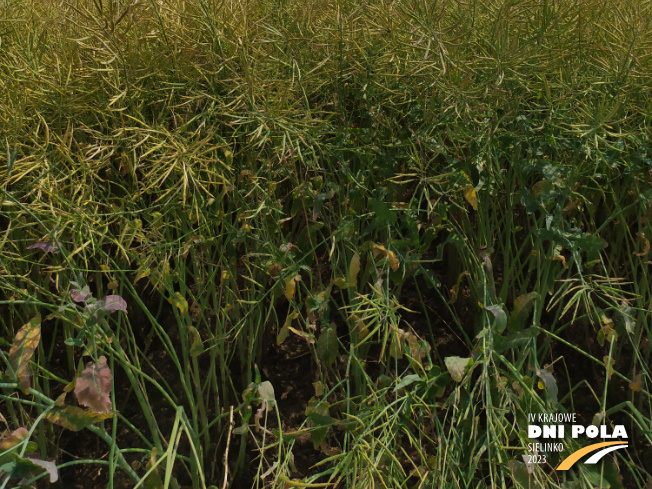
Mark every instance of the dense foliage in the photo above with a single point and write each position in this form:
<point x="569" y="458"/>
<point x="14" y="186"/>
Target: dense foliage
<point x="277" y="243"/>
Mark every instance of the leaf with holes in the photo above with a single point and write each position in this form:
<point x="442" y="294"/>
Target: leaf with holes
<point x="22" y="349"/>
<point x="93" y="386"/>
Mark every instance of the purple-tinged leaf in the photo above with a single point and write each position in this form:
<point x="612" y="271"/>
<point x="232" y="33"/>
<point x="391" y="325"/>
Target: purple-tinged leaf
<point x="110" y="303"/>
<point x="47" y="246"/>
<point x="93" y="386"/>
<point x="80" y="295"/>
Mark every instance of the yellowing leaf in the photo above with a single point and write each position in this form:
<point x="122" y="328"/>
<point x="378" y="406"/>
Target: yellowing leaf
<point x="470" y="196"/>
<point x="637" y="383"/>
<point x="197" y="347"/>
<point x="142" y="274"/>
<point x="285" y="330"/>
<point x="457" y="366"/>
<point x="22" y="349"/>
<point x="393" y="261"/>
<point x="12" y="439"/>
<point x="380" y="250"/>
<point x="309" y="337"/>
<point x="179" y="302"/>
<point x="153" y="480"/>
<point x="646" y="245"/>
<point x="75" y="418"/>
<point x="354" y="269"/>
<point x="340" y="282"/>
<point x="290" y="287"/>
<point x="61" y="400"/>
<point x="456" y="288"/>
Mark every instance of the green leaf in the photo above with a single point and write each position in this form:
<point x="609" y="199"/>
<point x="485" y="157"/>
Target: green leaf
<point x="318" y="413"/>
<point x="383" y="214"/>
<point x="522" y="307"/>
<point x="520" y="473"/>
<point x="407" y="380"/>
<point x="550" y="383"/>
<point x="266" y="391"/>
<point x="26" y="468"/>
<point x="499" y="314"/>
<point x="575" y="239"/>
<point x="457" y="366"/>
<point x="327" y="345"/>
<point x="515" y="340"/>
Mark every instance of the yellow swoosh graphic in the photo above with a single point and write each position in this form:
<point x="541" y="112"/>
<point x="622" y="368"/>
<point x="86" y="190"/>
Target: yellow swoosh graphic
<point x="575" y="456"/>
